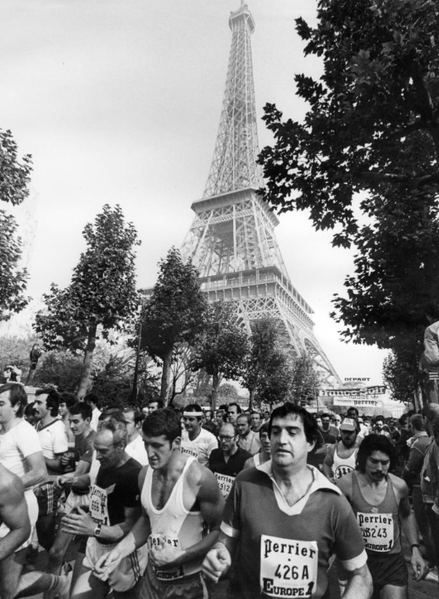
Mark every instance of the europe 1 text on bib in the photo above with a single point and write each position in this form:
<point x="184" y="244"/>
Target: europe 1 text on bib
<point x="377" y="531"/>
<point x="288" y="567"/>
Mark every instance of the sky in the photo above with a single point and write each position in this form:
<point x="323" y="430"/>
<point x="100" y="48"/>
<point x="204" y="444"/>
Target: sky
<point x="119" y="103"/>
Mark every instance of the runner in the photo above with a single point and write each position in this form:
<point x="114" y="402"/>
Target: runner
<point x="380" y="501"/>
<point x="283" y="520"/>
<point x="247" y="439"/>
<point x="265" y="454"/>
<point x="179" y="498"/>
<point x="54" y="443"/>
<point x="13" y="513"/>
<point x="114" y="508"/>
<point x="341" y="456"/>
<point x="197" y="441"/>
<point x="228" y="460"/>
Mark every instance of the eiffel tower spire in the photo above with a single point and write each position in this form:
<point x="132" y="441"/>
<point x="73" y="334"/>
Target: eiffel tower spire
<point x="232" y="239"/>
<point x="234" y="159"/>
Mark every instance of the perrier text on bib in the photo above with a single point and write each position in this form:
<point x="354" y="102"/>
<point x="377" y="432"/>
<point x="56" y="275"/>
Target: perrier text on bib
<point x="288" y="567"/>
<point x="377" y="531"/>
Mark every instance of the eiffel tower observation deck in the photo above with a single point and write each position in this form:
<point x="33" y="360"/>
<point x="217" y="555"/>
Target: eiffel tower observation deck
<point x="232" y="239"/>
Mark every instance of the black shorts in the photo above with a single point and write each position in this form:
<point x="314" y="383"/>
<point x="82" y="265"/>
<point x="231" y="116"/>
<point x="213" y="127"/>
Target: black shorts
<point x="387" y="569"/>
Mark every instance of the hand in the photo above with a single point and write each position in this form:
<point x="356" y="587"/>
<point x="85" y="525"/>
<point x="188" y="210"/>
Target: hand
<point x="80" y="523"/>
<point x="107" y="564"/>
<point x="163" y="554"/>
<point x="419" y="566"/>
<point x="216" y="562"/>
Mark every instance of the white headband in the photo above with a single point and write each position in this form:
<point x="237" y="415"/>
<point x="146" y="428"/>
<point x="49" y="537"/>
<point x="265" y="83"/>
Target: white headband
<point x="190" y="414"/>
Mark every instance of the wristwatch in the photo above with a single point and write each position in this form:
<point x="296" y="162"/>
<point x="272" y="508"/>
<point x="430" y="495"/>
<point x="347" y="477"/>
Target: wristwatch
<point x="98" y="530"/>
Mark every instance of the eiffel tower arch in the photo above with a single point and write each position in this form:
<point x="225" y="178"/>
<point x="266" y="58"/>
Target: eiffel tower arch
<point x="232" y="239"/>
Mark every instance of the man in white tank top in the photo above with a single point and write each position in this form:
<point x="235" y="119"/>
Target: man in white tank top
<point x="181" y="514"/>
<point x="341" y="456"/>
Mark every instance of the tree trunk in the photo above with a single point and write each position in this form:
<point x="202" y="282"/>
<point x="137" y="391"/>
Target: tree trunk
<point x="88" y="361"/>
<point x="251" y="398"/>
<point x="216" y="380"/>
<point x="166" y="378"/>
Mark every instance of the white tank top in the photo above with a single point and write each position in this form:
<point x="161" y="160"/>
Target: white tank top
<point x="173" y="524"/>
<point x="343" y="466"/>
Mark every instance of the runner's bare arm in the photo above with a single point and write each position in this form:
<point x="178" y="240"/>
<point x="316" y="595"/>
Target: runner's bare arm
<point x="328" y="462"/>
<point x="359" y="585"/>
<point x="410" y="528"/>
<point x="13" y="513"/>
<point x="36" y="471"/>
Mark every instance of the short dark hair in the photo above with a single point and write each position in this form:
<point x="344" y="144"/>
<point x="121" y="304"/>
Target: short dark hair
<point x="417" y="421"/>
<point x="92" y="397"/>
<point x="52" y="400"/>
<point x="17" y="395"/>
<point x="379" y="417"/>
<point x="68" y="398"/>
<point x="162" y="422"/>
<point x="353" y="409"/>
<point x="81" y="408"/>
<point x="138" y="415"/>
<point x="115" y="413"/>
<point x="371" y="443"/>
<point x="245" y="415"/>
<point x="263" y="429"/>
<point x="238" y="407"/>
<point x="309" y="424"/>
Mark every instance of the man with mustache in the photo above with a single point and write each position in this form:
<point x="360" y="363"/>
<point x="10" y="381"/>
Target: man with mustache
<point x="380" y="501"/>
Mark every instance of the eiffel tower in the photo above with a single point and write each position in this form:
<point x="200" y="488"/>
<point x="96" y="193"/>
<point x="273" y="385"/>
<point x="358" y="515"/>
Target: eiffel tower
<point x="232" y="240"/>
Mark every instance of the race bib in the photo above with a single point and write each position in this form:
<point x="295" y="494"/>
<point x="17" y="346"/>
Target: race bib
<point x="225" y="483"/>
<point x="288" y="567"/>
<point x="171" y="546"/>
<point x="377" y="531"/>
<point x="189" y="451"/>
<point x="99" y="504"/>
<point x="342" y="470"/>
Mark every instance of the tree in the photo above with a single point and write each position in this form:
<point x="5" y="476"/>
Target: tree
<point x="14" y="182"/>
<point x="222" y="347"/>
<point x="305" y="383"/>
<point x="268" y="369"/>
<point x="60" y="368"/>
<point x="173" y="315"/>
<point x="401" y="371"/>
<point x="102" y="292"/>
<point x="368" y="149"/>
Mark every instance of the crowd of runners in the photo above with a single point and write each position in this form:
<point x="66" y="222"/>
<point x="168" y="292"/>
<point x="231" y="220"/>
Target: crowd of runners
<point x="165" y="503"/>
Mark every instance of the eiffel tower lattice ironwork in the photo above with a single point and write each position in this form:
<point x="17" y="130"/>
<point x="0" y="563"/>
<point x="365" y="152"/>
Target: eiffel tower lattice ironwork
<point x="232" y="240"/>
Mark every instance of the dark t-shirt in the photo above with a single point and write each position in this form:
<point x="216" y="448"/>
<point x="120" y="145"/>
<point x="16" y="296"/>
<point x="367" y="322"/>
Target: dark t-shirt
<point x="122" y="490"/>
<point x="234" y="464"/>
<point x="84" y="447"/>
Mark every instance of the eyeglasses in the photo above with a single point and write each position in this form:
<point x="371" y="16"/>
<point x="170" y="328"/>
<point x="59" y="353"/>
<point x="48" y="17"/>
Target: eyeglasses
<point x="225" y="438"/>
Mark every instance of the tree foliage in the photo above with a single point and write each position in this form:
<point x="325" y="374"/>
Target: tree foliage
<point x="268" y="368"/>
<point x="368" y="147"/>
<point x="14" y="182"/>
<point x="305" y="382"/>
<point x="102" y="292"/>
<point x="222" y="347"/>
<point x="60" y="368"/>
<point x="401" y="371"/>
<point x="174" y="314"/>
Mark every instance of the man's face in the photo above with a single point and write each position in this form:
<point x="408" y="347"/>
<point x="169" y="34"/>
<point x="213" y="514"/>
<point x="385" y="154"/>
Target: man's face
<point x="265" y="442"/>
<point x="131" y="426"/>
<point x="107" y="453"/>
<point x="256" y="420"/>
<point x="62" y="409"/>
<point x="242" y="425"/>
<point x="192" y="424"/>
<point x="153" y="406"/>
<point x="7" y="412"/>
<point x="352" y="413"/>
<point x="379" y="424"/>
<point x="219" y="416"/>
<point x="160" y="450"/>
<point x="289" y="446"/>
<point x="207" y="416"/>
<point x="348" y="438"/>
<point x="377" y="466"/>
<point x="232" y="413"/>
<point x="337" y="420"/>
<point x="319" y="422"/>
<point x="325" y="422"/>
<point x="40" y="406"/>
<point x="227" y="438"/>
<point x="77" y="424"/>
